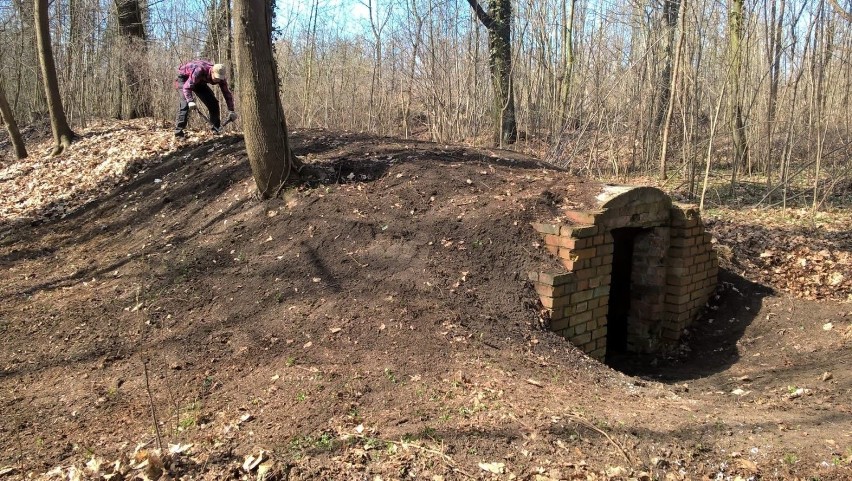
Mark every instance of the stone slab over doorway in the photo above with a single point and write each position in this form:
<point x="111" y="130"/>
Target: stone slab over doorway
<point x="632" y="273"/>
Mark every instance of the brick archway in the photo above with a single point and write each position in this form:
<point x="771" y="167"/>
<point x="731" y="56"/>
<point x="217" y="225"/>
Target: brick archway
<point x="638" y="264"/>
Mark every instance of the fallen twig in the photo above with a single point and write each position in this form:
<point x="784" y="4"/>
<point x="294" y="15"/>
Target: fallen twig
<point x="581" y="420"/>
<point x="153" y="411"/>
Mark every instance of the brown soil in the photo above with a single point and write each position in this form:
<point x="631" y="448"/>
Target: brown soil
<point x="378" y="325"/>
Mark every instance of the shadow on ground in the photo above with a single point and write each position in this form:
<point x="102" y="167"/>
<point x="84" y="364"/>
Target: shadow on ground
<point x="710" y="345"/>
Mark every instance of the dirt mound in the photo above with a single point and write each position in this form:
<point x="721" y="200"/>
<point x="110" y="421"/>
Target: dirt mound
<point x="378" y="324"/>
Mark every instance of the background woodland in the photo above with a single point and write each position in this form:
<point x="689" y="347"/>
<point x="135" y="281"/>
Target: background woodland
<point x="741" y="92"/>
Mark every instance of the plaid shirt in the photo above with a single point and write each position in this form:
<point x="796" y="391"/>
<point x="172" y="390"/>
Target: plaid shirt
<point x="197" y="72"/>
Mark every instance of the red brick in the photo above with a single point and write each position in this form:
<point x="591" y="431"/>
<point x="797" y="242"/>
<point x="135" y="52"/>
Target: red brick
<point x="546" y="228"/>
<point x="580" y="339"/>
<point x="582" y="217"/>
<point x="680" y="262"/>
<point x="543" y="290"/>
<point x="581" y="296"/>
<point x="679" y="290"/>
<point x="599" y="353"/>
<point x="601" y="291"/>
<point x="585" y="274"/>
<point x="678" y="299"/>
<point x="604" y="249"/>
<point x="551" y="240"/>
<point x="581" y="318"/>
<point x="558" y="324"/>
<point x="586" y="253"/>
<point x="571" y="243"/>
<point x="579" y="232"/>
<point x="699" y="296"/>
<point x="563" y="290"/>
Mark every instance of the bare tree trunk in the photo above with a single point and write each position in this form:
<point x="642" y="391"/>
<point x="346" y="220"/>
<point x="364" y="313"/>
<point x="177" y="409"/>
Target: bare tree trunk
<point x="11" y="125"/>
<point x="776" y="18"/>
<point x="310" y="53"/>
<point x="498" y="22"/>
<point x="671" y="8"/>
<point x="216" y="43"/>
<point x="62" y="133"/>
<point x="672" y="91"/>
<point x="134" y="99"/>
<point x="415" y="52"/>
<point x="823" y="51"/>
<point x="567" y="59"/>
<point x="267" y="143"/>
<point x="713" y="123"/>
<point x="735" y="110"/>
<point x="230" y="44"/>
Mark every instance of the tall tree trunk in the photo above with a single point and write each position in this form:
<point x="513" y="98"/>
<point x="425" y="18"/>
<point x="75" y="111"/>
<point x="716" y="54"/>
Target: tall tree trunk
<point x="230" y="44"/>
<point x="672" y="91"/>
<point x="216" y="44"/>
<point x="567" y="59"/>
<point x="310" y="52"/>
<point x="498" y="22"/>
<point x="823" y="52"/>
<point x="135" y="101"/>
<point x="62" y="133"/>
<point x="267" y="143"/>
<point x="671" y="8"/>
<point x="11" y="125"/>
<point x="416" y="39"/>
<point x="735" y="109"/>
<point x="776" y="19"/>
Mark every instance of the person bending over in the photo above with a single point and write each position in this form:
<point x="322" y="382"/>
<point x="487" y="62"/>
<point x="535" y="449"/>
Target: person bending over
<point x="194" y="79"/>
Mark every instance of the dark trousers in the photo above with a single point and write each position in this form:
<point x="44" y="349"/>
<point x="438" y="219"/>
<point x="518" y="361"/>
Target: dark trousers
<point x="206" y="96"/>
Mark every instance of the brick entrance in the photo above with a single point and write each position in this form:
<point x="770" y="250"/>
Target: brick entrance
<point x="637" y="271"/>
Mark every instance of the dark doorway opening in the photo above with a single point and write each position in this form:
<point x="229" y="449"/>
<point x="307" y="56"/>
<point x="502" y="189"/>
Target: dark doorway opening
<point x="618" y="314"/>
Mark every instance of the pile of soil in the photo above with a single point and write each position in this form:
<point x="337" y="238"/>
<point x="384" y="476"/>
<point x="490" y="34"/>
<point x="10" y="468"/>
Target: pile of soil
<point x="377" y="324"/>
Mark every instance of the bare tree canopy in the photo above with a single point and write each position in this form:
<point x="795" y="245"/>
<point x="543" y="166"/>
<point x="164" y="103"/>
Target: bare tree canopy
<point x="594" y="86"/>
<point x="841" y="11"/>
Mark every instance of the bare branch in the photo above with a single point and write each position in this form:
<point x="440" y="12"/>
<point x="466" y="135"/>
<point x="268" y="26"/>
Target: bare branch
<point x="843" y="13"/>
<point x="481" y="13"/>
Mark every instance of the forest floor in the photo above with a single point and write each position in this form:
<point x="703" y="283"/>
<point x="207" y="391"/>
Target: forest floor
<point x="378" y="325"/>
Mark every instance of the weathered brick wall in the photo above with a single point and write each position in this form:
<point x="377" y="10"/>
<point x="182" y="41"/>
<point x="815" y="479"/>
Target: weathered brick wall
<point x="673" y="272"/>
<point x="692" y="271"/>
<point x="647" y="290"/>
<point x="580" y="298"/>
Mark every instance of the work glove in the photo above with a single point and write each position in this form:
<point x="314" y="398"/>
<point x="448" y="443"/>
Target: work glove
<point x="191" y="105"/>
<point x="232" y="116"/>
